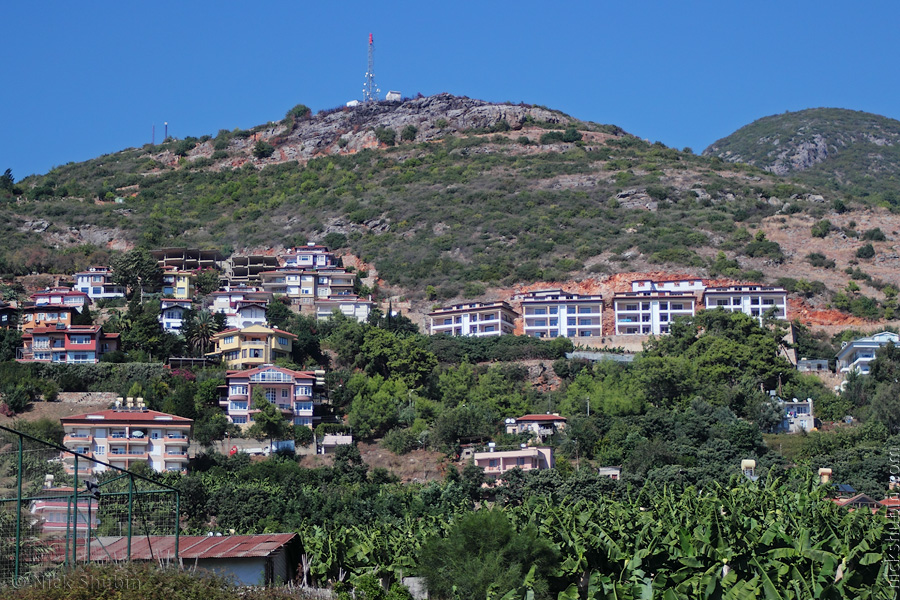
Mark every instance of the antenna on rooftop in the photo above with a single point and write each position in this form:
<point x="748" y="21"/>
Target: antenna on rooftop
<point x="370" y="90"/>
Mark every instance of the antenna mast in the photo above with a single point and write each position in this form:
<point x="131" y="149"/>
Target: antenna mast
<point x="370" y="91"/>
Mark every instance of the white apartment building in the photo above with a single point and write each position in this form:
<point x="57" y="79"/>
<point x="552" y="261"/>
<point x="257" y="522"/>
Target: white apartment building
<point x="555" y="313"/>
<point x="126" y="435"/>
<point x="311" y="256"/>
<point x="171" y="313"/>
<point x="475" y="318"/>
<point x="859" y="354"/>
<point x="753" y="300"/>
<point x="97" y="283"/>
<point x="651" y="313"/>
<point x="349" y="305"/>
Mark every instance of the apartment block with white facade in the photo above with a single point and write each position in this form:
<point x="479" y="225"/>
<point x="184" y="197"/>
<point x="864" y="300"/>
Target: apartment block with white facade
<point x="291" y="391"/>
<point x="310" y="256"/>
<point x="126" y="435"/>
<point x="304" y="286"/>
<point x="349" y="305"/>
<point x="858" y="354"/>
<point x="97" y="282"/>
<point x="61" y="296"/>
<point x="236" y="303"/>
<point x="171" y="313"/>
<point x="651" y="312"/>
<point x="753" y="300"/>
<point x="555" y="313"/>
<point x="478" y="319"/>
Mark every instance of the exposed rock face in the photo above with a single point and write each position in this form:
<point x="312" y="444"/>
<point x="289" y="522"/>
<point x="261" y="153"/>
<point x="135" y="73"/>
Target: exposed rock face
<point x="347" y="130"/>
<point x="801" y="156"/>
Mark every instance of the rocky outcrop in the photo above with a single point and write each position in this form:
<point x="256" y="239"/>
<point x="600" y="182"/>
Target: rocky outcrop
<point x="347" y="130"/>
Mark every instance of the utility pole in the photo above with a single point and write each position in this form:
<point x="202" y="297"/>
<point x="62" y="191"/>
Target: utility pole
<point x="370" y="90"/>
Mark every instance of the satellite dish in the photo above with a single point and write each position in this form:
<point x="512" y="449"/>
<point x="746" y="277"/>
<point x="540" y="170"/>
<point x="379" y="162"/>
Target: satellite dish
<point x="137" y="434"/>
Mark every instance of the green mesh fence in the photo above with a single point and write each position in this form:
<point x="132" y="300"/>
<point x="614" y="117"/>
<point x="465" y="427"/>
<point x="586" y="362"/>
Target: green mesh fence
<point x="59" y="508"/>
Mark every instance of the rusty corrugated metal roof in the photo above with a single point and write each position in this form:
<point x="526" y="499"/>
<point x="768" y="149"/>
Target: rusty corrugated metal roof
<point x="189" y="546"/>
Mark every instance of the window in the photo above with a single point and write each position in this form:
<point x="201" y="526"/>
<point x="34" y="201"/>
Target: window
<point x="97" y="291"/>
<point x="239" y="420"/>
<point x="303" y="390"/>
<point x="587" y="321"/>
<point x="585" y="309"/>
<point x="554" y="310"/>
<point x="540" y="311"/>
<point x="270" y="395"/>
<point x="585" y="333"/>
<point x="229" y="339"/>
<point x="540" y="322"/>
<point x="570" y="333"/>
<point x="285" y="392"/>
<point x="101" y="450"/>
<point x="282" y="340"/>
<point x="448" y="321"/>
<point x="489" y="329"/>
<point x="677" y="306"/>
<point x="570" y="321"/>
<point x="645" y="306"/>
<point x="554" y="322"/>
<point x="631" y="307"/>
<point x="237" y="405"/>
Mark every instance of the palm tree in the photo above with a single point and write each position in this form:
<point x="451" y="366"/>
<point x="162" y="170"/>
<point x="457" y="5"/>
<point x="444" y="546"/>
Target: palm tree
<point x="202" y="330"/>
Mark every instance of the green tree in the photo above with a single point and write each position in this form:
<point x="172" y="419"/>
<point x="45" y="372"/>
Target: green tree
<point x="10" y="341"/>
<point x="208" y="281"/>
<point x="7" y="181"/>
<point x="484" y="556"/>
<point x="136" y="269"/>
<point x="269" y="422"/>
<point x="263" y="149"/>
<point x="408" y="133"/>
<point x="202" y="329"/>
<point x="867" y="251"/>
<point x="386" y="135"/>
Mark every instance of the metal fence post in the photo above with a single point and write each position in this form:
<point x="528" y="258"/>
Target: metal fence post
<point x="130" y="509"/>
<point x="18" y="513"/>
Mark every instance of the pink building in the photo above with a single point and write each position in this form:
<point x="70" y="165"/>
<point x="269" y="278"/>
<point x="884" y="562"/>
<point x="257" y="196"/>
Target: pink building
<point x="497" y="463"/>
<point x="291" y="391"/>
<point x="56" y="512"/>
<point x="62" y="344"/>
<point x="61" y="296"/>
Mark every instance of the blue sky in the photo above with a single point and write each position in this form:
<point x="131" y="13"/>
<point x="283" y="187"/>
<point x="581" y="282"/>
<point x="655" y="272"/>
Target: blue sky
<point x="89" y="78"/>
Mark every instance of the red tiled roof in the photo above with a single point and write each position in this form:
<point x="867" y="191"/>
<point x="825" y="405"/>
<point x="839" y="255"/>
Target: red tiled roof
<point x="541" y="418"/>
<point x="126" y="416"/>
<point x="255" y="370"/>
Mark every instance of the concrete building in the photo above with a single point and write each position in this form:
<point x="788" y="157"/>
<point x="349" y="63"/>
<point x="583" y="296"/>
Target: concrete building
<point x="252" y="346"/>
<point x="291" y="391"/>
<point x="349" y="305"/>
<point x="61" y="296"/>
<point x="310" y="256"/>
<point x="171" y="313"/>
<point x="477" y="319"/>
<point x="245" y="270"/>
<point x="555" y="313"/>
<point x="45" y="316"/>
<point x="859" y="354"/>
<point x="188" y="259"/>
<point x="126" y="435"/>
<point x="753" y="300"/>
<point x="495" y="464"/>
<point x="540" y="426"/>
<point x="61" y="344"/>
<point x="798" y="415"/>
<point x="97" y="282"/>
<point x="178" y="284"/>
<point x="651" y="312"/>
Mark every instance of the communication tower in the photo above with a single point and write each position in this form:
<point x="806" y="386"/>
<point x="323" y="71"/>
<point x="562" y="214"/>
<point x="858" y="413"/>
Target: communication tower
<point x="370" y="90"/>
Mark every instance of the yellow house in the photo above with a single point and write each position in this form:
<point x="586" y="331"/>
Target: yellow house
<point x="252" y="346"/>
<point x="178" y="284"/>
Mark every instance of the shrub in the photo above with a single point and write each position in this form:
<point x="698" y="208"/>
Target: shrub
<point x="386" y="135"/>
<point x="400" y="441"/>
<point x="409" y="133"/>
<point x="874" y="235"/>
<point x="219" y="155"/>
<point x="298" y="112"/>
<point x="867" y="251"/>
<point x="817" y="259"/>
<point x="263" y="149"/>
<point x="821" y="228"/>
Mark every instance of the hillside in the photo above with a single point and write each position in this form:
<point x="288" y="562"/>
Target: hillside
<point x="453" y="193"/>
<point x="853" y="152"/>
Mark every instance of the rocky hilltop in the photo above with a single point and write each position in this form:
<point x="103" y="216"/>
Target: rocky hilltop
<point x="856" y="151"/>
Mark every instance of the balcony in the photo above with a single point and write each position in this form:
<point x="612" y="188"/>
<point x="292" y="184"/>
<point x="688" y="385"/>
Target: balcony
<point x="74" y="438"/>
